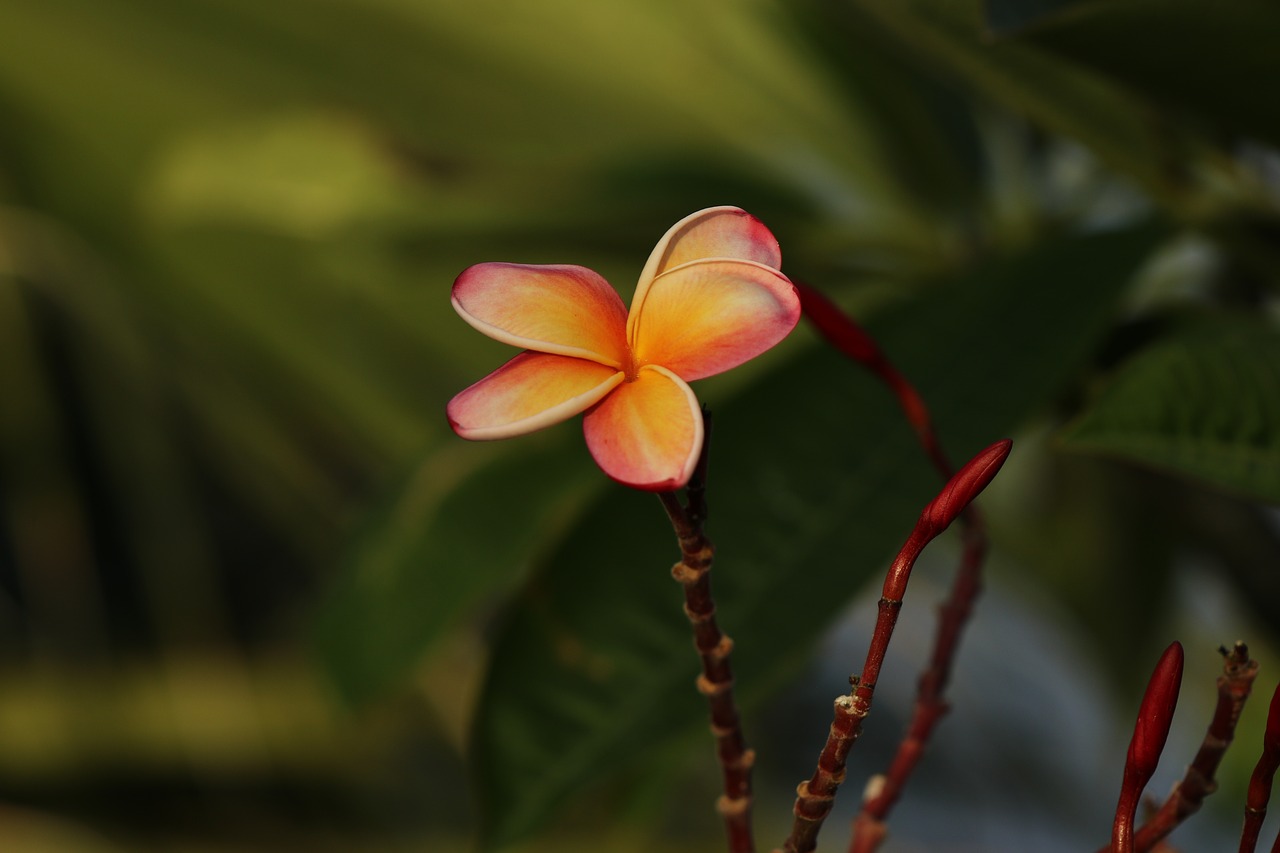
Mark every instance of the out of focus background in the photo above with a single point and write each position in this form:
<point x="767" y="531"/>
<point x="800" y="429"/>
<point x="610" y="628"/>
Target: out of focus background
<point x="256" y="596"/>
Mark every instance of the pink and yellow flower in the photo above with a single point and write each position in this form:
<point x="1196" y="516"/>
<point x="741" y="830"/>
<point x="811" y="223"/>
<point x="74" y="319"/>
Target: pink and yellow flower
<point x="711" y="296"/>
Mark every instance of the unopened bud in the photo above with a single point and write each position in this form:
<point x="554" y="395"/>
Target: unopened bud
<point x="1156" y="713"/>
<point x="966" y="485"/>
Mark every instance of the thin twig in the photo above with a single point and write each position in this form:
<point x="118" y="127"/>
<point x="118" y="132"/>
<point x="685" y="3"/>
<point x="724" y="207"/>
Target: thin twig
<point x="815" y="797"/>
<point x="1260" y="782"/>
<point x="1234" y="686"/>
<point x="931" y="706"/>
<point x="693" y="572"/>
<point x="839" y="329"/>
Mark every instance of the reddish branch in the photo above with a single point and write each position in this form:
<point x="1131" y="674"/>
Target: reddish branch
<point x="816" y="795"/>
<point x="931" y="706"/>
<point x="1149" y="735"/>
<point x="1260" y="782"/>
<point x="851" y="339"/>
<point x="693" y="572"/>
<point x="1234" y="686"/>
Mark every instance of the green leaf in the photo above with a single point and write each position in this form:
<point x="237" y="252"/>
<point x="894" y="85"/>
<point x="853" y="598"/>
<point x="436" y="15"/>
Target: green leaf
<point x="815" y="480"/>
<point x="454" y="534"/>
<point x="1206" y="60"/>
<point x="1203" y="402"/>
<point x="1059" y="95"/>
<point x="924" y="132"/>
<point x="1005" y="15"/>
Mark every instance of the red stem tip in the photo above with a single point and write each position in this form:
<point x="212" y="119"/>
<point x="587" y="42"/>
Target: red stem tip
<point x="836" y="326"/>
<point x="966" y="485"/>
<point x="1156" y="713"/>
<point x="1149" y="735"/>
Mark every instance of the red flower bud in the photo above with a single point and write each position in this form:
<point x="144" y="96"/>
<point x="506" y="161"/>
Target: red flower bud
<point x="1156" y="713"/>
<point x="1149" y="736"/>
<point x="966" y="485"/>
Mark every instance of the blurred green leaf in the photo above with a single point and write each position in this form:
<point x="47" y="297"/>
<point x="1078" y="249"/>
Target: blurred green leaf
<point x="925" y="133"/>
<point x="449" y="538"/>
<point x="45" y="522"/>
<point x="279" y="193"/>
<point x="1080" y="524"/>
<point x="1005" y="15"/>
<point x="1215" y="61"/>
<point x="815" y="479"/>
<point x="1058" y="95"/>
<point x="1203" y="402"/>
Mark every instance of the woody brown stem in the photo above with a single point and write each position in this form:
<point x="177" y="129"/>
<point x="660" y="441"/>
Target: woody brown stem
<point x="715" y="682"/>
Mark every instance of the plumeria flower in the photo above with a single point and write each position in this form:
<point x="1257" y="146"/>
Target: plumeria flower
<point x="711" y="296"/>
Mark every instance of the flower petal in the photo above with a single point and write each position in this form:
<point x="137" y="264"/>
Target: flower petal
<point x="561" y="309"/>
<point x="705" y="317"/>
<point x="529" y="392"/>
<point x="717" y="232"/>
<point x="647" y="434"/>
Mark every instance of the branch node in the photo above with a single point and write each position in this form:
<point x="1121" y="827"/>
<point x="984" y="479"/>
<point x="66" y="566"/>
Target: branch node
<point x="698" y="617"/>
<point x="688" y="575"/>
<point x="709" y="688"/>
<point x="716" y="680"/>
<point x="723" y="649"/>
<point x="736" y="807"/>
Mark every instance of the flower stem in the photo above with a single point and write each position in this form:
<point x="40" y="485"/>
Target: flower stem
<point x="849" y="338"/>
<point x="1149" y="735"/>
<point x="693" y="573"/>
<point x="1260" y="782"/>
<point x="1234" y="687"/>
<point x="931" y="706"/>
<point x="815" y="796"/>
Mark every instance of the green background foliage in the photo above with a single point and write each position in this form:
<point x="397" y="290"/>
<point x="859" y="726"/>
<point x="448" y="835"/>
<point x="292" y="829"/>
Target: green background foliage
<point x="254" y="594"/>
